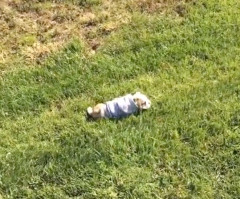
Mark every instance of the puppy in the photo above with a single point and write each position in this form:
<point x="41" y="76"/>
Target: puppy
<point x="120" y="107"/>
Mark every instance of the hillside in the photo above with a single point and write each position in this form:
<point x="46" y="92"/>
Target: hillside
<point x="59" y="57"/>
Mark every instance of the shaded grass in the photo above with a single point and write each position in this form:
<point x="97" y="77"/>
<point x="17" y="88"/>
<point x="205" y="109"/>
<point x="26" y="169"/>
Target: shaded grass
<point x="186" y="146"/>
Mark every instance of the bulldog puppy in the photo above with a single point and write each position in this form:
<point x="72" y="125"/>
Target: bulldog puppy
<point x="120" y="107"/>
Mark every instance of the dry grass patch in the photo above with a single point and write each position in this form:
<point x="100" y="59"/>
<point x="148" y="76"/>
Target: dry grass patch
<point x="36" y="29"/>
<point x="31" y="30"/>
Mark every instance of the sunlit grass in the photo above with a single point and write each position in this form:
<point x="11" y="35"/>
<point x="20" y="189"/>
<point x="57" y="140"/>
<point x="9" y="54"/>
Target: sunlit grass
<point x="185" y="146"/>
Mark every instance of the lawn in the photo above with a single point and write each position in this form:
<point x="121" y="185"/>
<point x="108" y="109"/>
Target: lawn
<point x="184" y="55"/>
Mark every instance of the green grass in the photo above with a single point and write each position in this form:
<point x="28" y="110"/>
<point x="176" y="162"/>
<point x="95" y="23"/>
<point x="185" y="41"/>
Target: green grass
<point x="185" y="146"/>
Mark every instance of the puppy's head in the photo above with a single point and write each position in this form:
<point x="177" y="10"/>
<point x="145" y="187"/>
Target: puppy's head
<point x="141" y="101"/>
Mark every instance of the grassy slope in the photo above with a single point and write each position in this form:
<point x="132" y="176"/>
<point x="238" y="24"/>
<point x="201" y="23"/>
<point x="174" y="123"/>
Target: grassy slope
<point x="186" y="146"/>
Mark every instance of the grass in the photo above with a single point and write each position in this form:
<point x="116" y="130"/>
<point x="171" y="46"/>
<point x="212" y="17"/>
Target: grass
<point x="185" y="146"/>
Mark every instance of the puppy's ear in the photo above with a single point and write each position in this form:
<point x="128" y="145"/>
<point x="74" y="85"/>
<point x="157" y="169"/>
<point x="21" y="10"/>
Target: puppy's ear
<point x="137" y="102"/>
<point x="140" y="103"/>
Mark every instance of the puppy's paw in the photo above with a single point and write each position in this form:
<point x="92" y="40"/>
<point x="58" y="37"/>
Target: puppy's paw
<point x="89" y="110"/>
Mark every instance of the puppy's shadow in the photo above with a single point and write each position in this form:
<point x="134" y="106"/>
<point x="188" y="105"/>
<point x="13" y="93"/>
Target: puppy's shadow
<point x="89" y="118"/>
